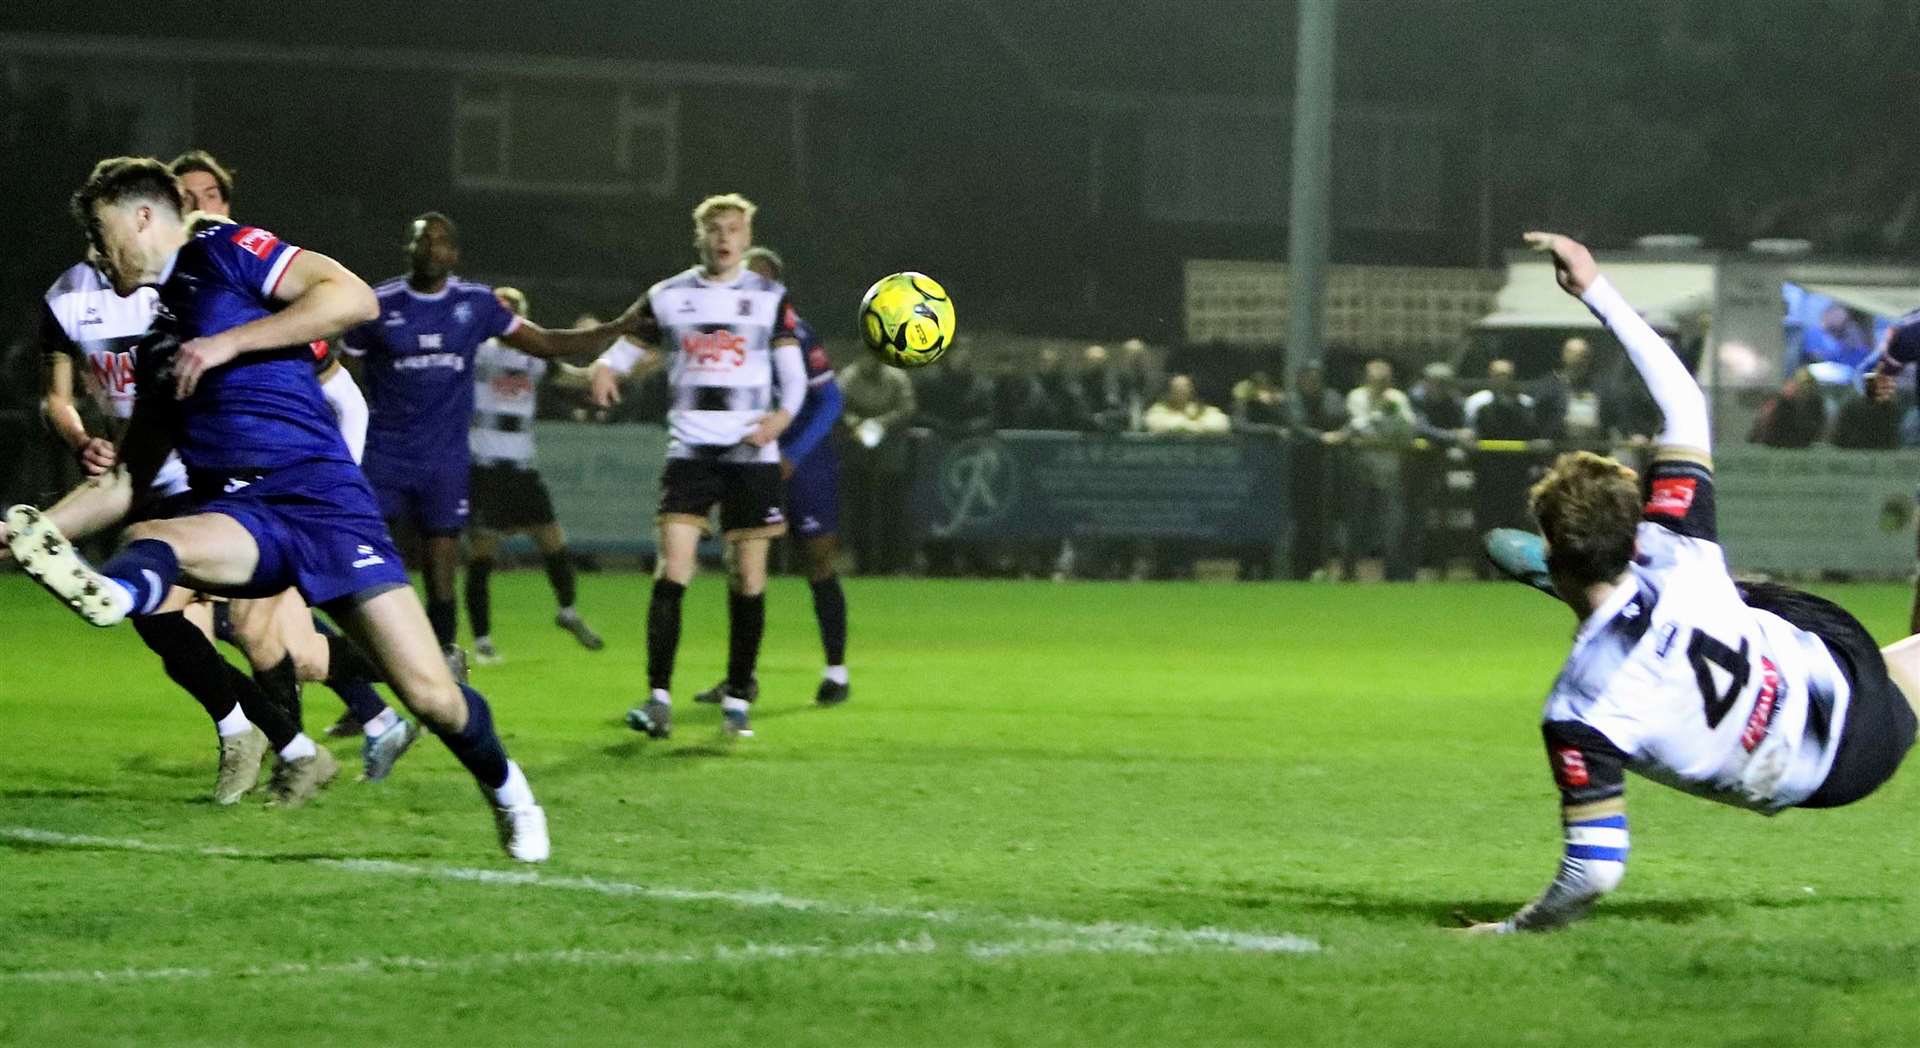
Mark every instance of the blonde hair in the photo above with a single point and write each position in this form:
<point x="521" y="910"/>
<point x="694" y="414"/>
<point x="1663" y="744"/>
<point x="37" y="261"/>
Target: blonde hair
<point x="515" y="299"/>
<point x="721" y="202"/>
<point x="1588" y="507"/>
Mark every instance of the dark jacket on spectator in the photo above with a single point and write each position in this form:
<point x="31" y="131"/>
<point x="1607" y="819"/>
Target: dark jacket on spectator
<point x="1795" y="417"/>
<point x="1866" y="423"/>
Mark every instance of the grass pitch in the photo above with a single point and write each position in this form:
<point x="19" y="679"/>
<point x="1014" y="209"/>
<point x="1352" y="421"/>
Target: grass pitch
<point x="1076" y="815"/>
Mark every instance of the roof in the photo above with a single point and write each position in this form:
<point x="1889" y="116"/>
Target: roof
<point x="1665" y="292"/>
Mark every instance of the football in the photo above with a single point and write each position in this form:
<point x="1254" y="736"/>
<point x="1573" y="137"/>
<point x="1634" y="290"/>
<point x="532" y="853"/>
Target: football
<point x="907" y="319"/>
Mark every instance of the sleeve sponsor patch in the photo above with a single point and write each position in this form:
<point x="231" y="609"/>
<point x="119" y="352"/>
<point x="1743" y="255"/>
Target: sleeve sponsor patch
<point x="256" y="241"/>
<point x="1570" y="767"/>
<point x="1671" y="496"/>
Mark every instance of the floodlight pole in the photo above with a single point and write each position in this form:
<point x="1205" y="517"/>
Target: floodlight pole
<point x="1308" y="215"/>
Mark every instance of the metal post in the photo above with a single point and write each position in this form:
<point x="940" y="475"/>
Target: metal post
<point x="1309" y="217"/>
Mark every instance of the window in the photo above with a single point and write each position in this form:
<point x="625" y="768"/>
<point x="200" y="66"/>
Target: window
<point x="565" y="136"/>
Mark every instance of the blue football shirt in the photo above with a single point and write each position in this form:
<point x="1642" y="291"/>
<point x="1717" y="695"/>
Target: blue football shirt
<point x="419" y="370"/>
<point x="260" y="411"/>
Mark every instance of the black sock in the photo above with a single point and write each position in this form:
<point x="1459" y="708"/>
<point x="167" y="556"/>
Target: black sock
<point x="280" y="686"/>
<point x="663" y="631"/>
<point x="480" y="595"/>
<point x="746" y="621"/>
<point x="445" y="616"/>
<point x="347" y="664"/>
<point x="274" y="720"/>
<point x="560" y="575"/>
<point x="830" y="609"/>
<point x="189" y="659"/>
<point x="477" y="745"/>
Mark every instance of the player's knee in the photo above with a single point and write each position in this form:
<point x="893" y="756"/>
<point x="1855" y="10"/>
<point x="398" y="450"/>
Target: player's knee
<point x="311" y="661"/>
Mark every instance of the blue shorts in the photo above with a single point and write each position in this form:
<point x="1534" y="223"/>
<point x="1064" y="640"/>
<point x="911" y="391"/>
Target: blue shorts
<point x="317" y="527"/>
<point x="434" y="501"/>
<point x="813" y="494"/>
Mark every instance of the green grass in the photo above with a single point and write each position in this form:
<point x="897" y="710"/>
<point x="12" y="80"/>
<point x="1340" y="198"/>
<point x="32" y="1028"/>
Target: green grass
<point x="1344" y="764"/>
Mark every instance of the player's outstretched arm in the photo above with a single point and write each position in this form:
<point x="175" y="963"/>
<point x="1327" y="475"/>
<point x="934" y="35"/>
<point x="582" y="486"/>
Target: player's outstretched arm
<point x="534" y="340"/>
<point x="1682" y="405"/>
<point x="322" y="299"/>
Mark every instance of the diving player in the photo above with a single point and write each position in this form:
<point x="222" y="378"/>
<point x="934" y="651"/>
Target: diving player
<point x="418" y="360"/>
<point x="508" y="495"/>
<point x="277" y="500"/>
<point x="733" y="356"/>
<point x="811" y="469"/>
<point x="1756" y="696"/>
<point x="317" y="650"/>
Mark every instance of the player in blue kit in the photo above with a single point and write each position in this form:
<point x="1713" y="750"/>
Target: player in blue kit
<point x="417" y="359"/>
<point x="277" y="500"/>
<point x="812" y="470"/>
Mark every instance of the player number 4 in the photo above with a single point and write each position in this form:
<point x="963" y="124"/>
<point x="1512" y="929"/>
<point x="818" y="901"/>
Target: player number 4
<point x="1704" y="652"/>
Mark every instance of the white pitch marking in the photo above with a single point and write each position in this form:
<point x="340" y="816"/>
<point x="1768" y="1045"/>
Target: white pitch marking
<point x="1105" y="936"/>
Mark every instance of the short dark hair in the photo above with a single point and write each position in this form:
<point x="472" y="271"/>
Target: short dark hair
<point x="772" y="258"/>
<point x="123" y="178"/>
<point x="201" y="160"/>
<point x="434" y="216"/>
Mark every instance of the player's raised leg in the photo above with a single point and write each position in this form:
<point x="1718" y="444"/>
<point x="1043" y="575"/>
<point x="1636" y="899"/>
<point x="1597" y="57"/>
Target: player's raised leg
<point x="679" y="543"/>
<point x="392" y="627"/>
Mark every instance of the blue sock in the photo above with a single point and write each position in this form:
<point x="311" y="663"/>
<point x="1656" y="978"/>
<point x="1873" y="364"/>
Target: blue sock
<point x="147" y="569"/>
<point x="476" y="745"/>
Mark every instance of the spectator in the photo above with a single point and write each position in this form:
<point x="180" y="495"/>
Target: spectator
<point x="1794" y="417"/>
<point x="1260" y="405"/>
<point x="1501" y="411"/>
<point x="1182" y="412"/>
<point x="1319" y="417"/>
<point x="1381" y="418"/>
<point x="1102" y="392"/>
<point x="1376" y="410"/>
<point x="1053" y="399"/>
<point x="1501" y="478"/>
<point x="954" y="400"/>
<point x="1567" y="402"/>
<point x="879" y="405"/>
<point x="1440" y="412"/>
<point x="1865" y="423"/>
<point x="1316" y="411"/>
<point x="1840" y="338"/>
<point x="1139" y="377"/>
<point x="1013" y="392"/>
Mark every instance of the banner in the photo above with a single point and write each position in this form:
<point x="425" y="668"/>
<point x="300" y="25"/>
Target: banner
<point x="605" y="481"/>
<point x="1805" y="512"/>
<point x="1033" y="485"/>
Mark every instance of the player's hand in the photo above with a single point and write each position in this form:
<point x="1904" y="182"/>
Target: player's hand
<point x="786" y="469"/>
<point x="196" y="358"/>
<point x="768" y="429"/>
<point x="606" y="386"/>
<point x="1881" y="380"/>
<point x="96" y="456"/>
<point x="1573" y="264"/>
